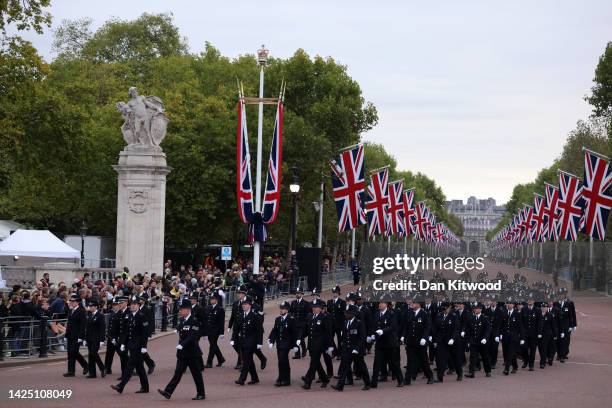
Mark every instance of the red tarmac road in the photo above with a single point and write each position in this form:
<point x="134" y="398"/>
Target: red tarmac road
<point x="584" y="380"/>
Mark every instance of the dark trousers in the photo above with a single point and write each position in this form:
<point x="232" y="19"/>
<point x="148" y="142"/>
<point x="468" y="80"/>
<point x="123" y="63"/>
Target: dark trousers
<point x="457" y="358"/>
<point x="443" y="354"/>
<point x="248" y="366"/>
<point x="196" y="373"/>
<point x="315" y="367"/>
<point x="417" y="358"/>
<point x="284" y="370"/>
<point x="493" y="351"/>
<point x="329" y="366"/>
<point x="563" y="345"/>
<point x="532" y="346"/>
<point x="146" y="358"/>
<point x="111" y="349"/>
<point x="93" y="358"/>
<point x="346" y="360"/>
<point x="383" y="357"/>
<point x="135" y="362"/>
<point x="510" y="350"/>
<point x="123" y="359"/>
<point x="214" y="350"/>
<point x="546" y="348"/>
<point x="432" y="352"/>
<point x="338" y="334"/>
<point x="482" y="351"/>
<point x="74" y="356"/>
<point x="236" y="347"/>
<point x="302" y="336"/>
<point x="260" y="355"/>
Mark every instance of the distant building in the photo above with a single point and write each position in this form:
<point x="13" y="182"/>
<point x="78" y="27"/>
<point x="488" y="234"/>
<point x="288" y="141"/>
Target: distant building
<point x="478" y="216"/>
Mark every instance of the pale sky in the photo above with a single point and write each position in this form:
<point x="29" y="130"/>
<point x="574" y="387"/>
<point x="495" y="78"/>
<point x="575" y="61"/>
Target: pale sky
<point x="479" y="95"/>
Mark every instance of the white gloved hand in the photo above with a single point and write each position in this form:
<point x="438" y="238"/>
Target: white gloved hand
<point x="436" y="345"/>
<point x="122" y="348"/>
<point x="114" y="342"/>
<point x="101" y="343"/>
<point x="539" y="336"/>
<point x="430" y="338"/>
<point x="84" y="343"/>
<point x="231" y="342"/>
<point x="379" y="332"/>
<point x="179" y="347"/>
<point x="497" y="339"/>
<point x="298" y="342"/>
<point x="330" y="350"/>
<point x="295" y="349"/>
<point x="369" y="339"/>
<point x="222" y="336"/>
<point x="80" y="341"/>
<point x="270" y="345"/>
<point x="483" y="341"/>
<point x="355" y="352"/>
<point x="501" y="337"/>
<point x="259" y="347"/>
<point x="462" y="334"/>
<point x="228" y="329"/>
<point x="451" y="342"/>
<point x="522" y="342"/>
<point x="143" y="350"/>
<point x="562" y="335"/>
<point x="574" y="328"/>
<point x="402" y="339"/>
<point x="423" y="342"/>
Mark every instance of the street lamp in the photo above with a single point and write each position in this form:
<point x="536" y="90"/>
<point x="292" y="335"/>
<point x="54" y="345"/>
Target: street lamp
<point x="262" y="55"/>
<point x="83" y="235"/>
<point x="294" y="187"/>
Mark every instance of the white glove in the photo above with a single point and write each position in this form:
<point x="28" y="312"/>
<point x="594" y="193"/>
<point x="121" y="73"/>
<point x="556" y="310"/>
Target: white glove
<point x="423" y="342"/>
<point x="122" y="348"/>
<point x="539" y="336"/>
<point x="143" y="350"/>
<point x="379" y="332"/>
<point x="497" y="339"/>
<point x="429" y="338"/>
<point x="259" y="347"/>
<point x="221" y="336"/>
<point x="562" y="335"/>
<point x="462" y="334"/>
<point x="179" y="347"/>
<point x="355" y="352"/>
<point x="84" y="343"/>
<point x="101" y="343"/>
<point x="231" y="342"/>
<point x="483" y="341"/>
<point x="114" y="342"/>
<point x="574" y="328"/>
<point x="270" y="345"/>
<point x="80" y="341"/>
<point x="330" y="350"/>
<point x="295" y="349"/>
<point x="451" y="342"/>
<point x="369" y="339"/>
<point x="228" y="329"/>
<point x="436" y="345"/>
<point x="402" y="339"/>
<point x="298" y="342"/>
<point x="501" y="337"/>
<point x="522" y="342"/>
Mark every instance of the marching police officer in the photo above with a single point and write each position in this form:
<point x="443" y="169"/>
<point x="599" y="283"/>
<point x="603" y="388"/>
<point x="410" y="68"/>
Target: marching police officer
<point x="416" y="331"/>
<point x="300" y="309"/>
<point x="124" y="318"/>
<point x="75" y="334"/>
<point x="511" y="336"/>
<point x="187" y="353"/>
<point x="112" y="333"/>
<point x="249" y="334"/>
<point x="94" y="338"/>
<point x="134" y="342"/>
<point x="386" y="328"/>
<point x="547" y="333"/>
<point x="446" y="332"/>
<point x="353" y="349"/>
<point x="319" y="342"/>
<point x="234" y="319"/>
<point x="284" y="336"/>
<point x="432" y="309"/>
<point x="215" y="320"/>
<point x="335" y="308"/>
<point x="495" y="315"/>
<point x="531" y="322"/>
<point x="478" y="331"/>
<point x="148" y="316"/>
<point x="567" y="324"/>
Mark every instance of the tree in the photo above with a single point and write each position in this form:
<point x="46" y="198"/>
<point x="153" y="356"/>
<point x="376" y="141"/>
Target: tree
<point x="601" y="96"/>
<point x="26" y="14"/>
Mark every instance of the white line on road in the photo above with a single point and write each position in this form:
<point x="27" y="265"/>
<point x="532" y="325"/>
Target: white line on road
<point x="18" y="368"/>
<point x="594" y="364"/>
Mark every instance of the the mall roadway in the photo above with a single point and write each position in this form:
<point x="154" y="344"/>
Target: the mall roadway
<point x="583" y="381"/>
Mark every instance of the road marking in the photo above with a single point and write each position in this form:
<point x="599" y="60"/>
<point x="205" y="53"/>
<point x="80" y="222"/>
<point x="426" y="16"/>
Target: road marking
<point x="59" y="362"/>
<point x="593" y="364"/>
<point x="583" y="314"/>
<point x="18" y="368"/>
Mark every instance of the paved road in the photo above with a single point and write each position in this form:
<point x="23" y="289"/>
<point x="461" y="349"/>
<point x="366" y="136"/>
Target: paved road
<point x="583" y="380"/>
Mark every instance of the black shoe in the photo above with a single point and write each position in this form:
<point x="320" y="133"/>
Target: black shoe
<point x="116" y="388"/>
<point x="524" y="365"/>
<point x="493" y="367"/>
<point x="238" y="367"/>
<point x="119" y="379"/>
<point x="142" y="391"/>
<point x="198" y="397"/>
<point x="365" y="387"/>
<point x="430" y="381"/>
<point x="296" y="357"/>
<point x="470" y="375"/>
<point x="513" y="371"/>
<point x="406" y="381"/>
<point x="530" y="368"/>
<point x="108" y="371"/>
<point x="306" y="386"/>
<point x="542" y="366"/>
<point x="459" y="378"/>
<point x="506" y="372"/>
<point x="220" y="363"/>
<point x="337" y="387"/>
<point x="264" y="362"/>
<point x="336" y="377"/>
<point x="102" y="373"/>
<point x="488" y="374"/>
<point x="399" y="385"/>
<point x="439" y="380"/>
<point x="208" y="366"/>
<point x="277" y="384"/>
<point x="151" y="369"/>
<point x="239" y="382"/>
<point x="164" y="394"/>
<point x="303" y="378"/>
<point x="304" y="353"/>
<point x="85" y="371"/>
<point x="68" y="374"/>
<point x="253" y="382"/>
<point x="376" y="386"/>
<point x="324" y="384"/>
<point x="91" y="376"/>
<point x="562" y="360"/>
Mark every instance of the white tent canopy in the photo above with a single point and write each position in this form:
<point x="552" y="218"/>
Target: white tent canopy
<point x="36" y="243"/>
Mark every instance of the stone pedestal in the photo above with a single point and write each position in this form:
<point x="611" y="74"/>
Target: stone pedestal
<point x="141" y="209"/>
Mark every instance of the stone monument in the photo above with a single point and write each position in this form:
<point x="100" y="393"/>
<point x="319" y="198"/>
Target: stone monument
<point x="141" y="198"/>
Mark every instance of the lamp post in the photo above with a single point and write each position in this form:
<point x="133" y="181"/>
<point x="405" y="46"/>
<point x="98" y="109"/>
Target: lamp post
<point x="83" y="235"/>
<point x="294" y="187"/>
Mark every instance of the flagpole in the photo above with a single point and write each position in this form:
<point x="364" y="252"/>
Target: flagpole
<point x="321" y="204"/>
<point x="590" y="251"/>
<point x="353" y="243"/>
<point x="262" y="59"/>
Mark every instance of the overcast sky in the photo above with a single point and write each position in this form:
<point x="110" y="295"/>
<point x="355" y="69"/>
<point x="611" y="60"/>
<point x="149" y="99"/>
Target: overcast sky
<point x="478" y="95"/>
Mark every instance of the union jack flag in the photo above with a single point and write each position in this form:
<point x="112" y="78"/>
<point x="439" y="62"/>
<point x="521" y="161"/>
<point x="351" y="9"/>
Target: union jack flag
<point x="395" y="210"/>
<point x="539" y="218"/>
<point x="244" y="188"/>
<point x="420" y="220"/>
<point x="408" y="212"/>
<point x="348" y="184"/>
<point x="377" y="200"/>
<point x="570" y="205"/>
<point x="527" y="225"/>
<point x="597" y="194"/>
<point x="271" y="201"/>
<point x="552" y="212"/>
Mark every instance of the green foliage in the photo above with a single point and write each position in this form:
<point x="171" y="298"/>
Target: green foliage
<point x="25" y="14"/>
<point x="601" y="97"/>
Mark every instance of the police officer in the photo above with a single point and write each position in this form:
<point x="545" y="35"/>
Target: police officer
<point x="386" y="353"/>
<point x="75" y="334"/>
<point x="353" y="349"/>
<point x="319" y="342"/>
<point x="432" y="309"/>
<point x="94" y="338"/>
<point x="335" y="308"/>
<point x="249" y="334"/>
<point x="134" y="342"/>
<point x="215" y="321"/>
<point x="531" y="323"/>
<point x="478" y="331"/>
<point x="147" y="315"/>
<point x="300" y="309"/>
<point x="495" y="314"/>
<point x="112" y="333"/>
<point x="234" y="319"/>
<point x="284" y="336"/>
<point x="547" y="333"/>
<point x="511" y="336"/>
<point x="445" y="333"/>
<point x="416" y="331"/>
<point x="567" y="324"/>
<point x="187" y="352"/>
<point x="124" y="318"/>
<point x="462" y="316"/>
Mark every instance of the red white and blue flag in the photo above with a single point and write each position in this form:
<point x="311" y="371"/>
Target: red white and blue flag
<point x="395" y="210"/>
<point x="244" y="188"/>
<point x="539" y="218"/>
<point x="527" y="225"/>
<point x="570" y="206"/>
<point x="377" y="200"/>
<point x="271" y="202"/>
<point x="597" y="194"/>
<point x="408" y="212"/>
<point x="420" y="220"/>
<point x="348" y="183"/>
<point x="552" y="212"/>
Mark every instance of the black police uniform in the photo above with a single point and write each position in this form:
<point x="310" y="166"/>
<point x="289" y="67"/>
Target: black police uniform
<point x="335" y="308"/>
<point x="432" y="309"/>
<point x="495" y="315"/>
<point x="94" y="335"/>
<point x="284" y="336"/>
<point x="547" y="333"/>
<point x="478" y="329"/>
<point x="233" y="324"/>
<point x="319" y="340"/>
<point x="112" y="334"/>
<point x="387" y="346"/>
<point x="460" y="344"/>
<point x="249" y="334"/>
<point x="75" y="331"/>
<point x="446" y="328"/>
<point x="512" y="332"/>
<point x="135" y="339"/>
<point x="146" y="316"/>
<point x="124" y="318"/>
<point x="531" y="322"/>
<point x="300" y="309"/>
<point x="353" y="351"/>
<point x="567" y="320"/>
<point x="215" y="322"/>
<point x="417" y="327"/>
